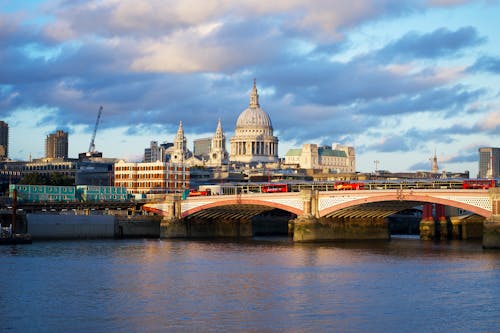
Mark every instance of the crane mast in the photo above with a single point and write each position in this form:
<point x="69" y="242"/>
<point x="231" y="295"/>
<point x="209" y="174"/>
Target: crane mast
<point x="92" y="145"/>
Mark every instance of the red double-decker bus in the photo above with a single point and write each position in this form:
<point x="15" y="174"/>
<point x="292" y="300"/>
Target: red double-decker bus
<point x="195" y="193"/>
<point x="478" y="183"/>
<point x="274" y="188"/>
<point x="349" y="186"/>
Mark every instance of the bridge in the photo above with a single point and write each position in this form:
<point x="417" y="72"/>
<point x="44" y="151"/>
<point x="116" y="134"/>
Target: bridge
<point x="318" y="215"/>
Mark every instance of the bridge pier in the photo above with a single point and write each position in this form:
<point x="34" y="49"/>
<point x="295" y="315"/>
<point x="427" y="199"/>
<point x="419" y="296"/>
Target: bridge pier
<point x="467" y="227"/>
<point x="172" y="225"/>
<point x="216" y="228"/>
<point x="427" y="224"/>
<point x="457" y="226"/>
<point x="438" y="227"/>
<point x="491" y="228"/>
<point x="309" y="227"/>
<point x="443" y="232"/>
<point x="305" y="226"/>
<point x="491" y="233"/>
<point x="172" y="228"/>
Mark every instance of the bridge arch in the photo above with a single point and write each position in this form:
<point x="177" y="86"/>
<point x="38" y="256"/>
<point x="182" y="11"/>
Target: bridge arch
<point x="386" y="197"/>
<point x="241" y="201"/>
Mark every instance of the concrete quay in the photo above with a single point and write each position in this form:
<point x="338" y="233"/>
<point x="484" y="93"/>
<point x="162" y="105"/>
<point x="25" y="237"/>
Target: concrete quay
<point x="45" y="226"/>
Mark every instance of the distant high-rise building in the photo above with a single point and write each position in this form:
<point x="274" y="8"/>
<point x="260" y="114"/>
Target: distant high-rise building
<point x="152" y="153"/>
<point x="4" y="140"/>
<point x="56" y="145"/>
<point x="201" y="147"/>
<point x="489" y="162"/>
<point x="156" y="152"/>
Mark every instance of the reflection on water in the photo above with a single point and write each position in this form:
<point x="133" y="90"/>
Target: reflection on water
<point x="266" y="284"/>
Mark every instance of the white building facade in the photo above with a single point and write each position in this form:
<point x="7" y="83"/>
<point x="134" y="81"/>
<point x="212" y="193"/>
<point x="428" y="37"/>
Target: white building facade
<point x="337" y="158"/>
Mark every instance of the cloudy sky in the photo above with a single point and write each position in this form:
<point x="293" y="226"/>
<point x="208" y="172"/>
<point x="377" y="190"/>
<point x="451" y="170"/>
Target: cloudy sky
<point x="397" y="79"/>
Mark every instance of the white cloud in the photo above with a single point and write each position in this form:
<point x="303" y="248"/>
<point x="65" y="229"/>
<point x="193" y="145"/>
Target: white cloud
<point x="210" y="35"/>
<point x="199" y="50"/>
<point x="491" y="121"/>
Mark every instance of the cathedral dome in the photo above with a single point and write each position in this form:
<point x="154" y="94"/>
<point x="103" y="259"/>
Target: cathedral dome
<point x="253" y="117"/>
<point x="253" y="140"/>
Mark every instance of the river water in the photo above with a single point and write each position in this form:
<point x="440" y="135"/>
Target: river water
<point x="260" y="285"/>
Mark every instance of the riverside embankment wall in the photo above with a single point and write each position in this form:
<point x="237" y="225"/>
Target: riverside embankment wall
<point x="54" y="226"/>
<point x="60" y="226"/>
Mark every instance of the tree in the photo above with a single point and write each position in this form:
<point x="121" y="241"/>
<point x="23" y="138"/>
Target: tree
<point x="58" y="179"/>
<point x="55" y="179"/>
<point x="33" y="179"/>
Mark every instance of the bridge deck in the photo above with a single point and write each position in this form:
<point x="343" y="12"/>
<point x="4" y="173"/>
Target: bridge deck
<point x="340" y="203"/>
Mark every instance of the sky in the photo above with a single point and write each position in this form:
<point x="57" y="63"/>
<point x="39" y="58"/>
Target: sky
<point x="396" y="79"/>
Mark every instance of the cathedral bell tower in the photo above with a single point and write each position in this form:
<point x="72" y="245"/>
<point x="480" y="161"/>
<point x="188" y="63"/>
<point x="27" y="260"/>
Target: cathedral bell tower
<point x="218" y="153"/>
<point x="179" y="153"/>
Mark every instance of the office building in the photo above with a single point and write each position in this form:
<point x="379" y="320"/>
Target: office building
<point x="489" y="162"/>
<point x="4" y="140"/>
<point x="56" y="145"/>
<point x="151" y="178"/>
<point x="201" y="148"/>
<point x="156" y="152"/>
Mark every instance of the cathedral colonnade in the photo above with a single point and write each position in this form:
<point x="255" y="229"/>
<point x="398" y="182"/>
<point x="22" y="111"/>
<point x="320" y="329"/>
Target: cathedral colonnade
<point x="255" y="148"/>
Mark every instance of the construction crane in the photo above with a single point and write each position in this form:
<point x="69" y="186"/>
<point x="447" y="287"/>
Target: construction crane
<point x="92" y="145"/>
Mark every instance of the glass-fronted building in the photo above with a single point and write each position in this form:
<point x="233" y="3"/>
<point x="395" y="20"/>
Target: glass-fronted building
<point x="489" y="162"/>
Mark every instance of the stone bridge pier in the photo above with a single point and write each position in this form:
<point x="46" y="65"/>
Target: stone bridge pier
<point x="172" y="225"/>
<point x="435" y="228"/>
<point x="310" y="226"/>
<point x="491" y="229"/>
